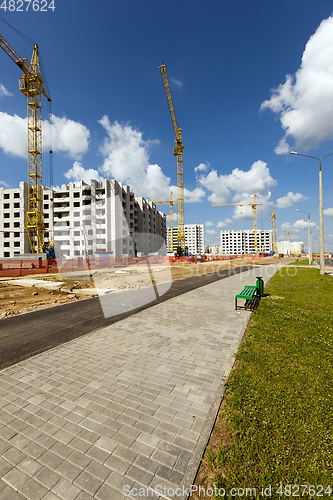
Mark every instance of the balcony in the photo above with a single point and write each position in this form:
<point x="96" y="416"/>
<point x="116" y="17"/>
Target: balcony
<point x="61" y="208"/>
<point x="60" y="196"/>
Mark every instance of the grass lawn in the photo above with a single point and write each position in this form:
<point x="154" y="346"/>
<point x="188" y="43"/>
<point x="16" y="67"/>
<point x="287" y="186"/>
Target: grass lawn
<point x="303" y="262"/>
<point x="277" y="416"/>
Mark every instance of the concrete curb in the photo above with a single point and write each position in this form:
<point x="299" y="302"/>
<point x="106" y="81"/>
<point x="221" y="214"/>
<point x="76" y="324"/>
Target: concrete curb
<point x="200" y="448"/>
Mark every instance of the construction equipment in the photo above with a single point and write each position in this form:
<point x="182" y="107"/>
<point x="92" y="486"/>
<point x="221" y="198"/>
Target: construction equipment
<point x="253" y="204"/>
<point x="31" y="85"/>
<point x="177" y="151"/>
<point x="273" y="219"/>
<point x="171" y="201"/>
<point x="49" y="250"/>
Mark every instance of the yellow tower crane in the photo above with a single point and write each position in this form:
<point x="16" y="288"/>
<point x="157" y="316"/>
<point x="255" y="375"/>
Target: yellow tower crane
<point x="273" y="219"/>
<point x="171" y="201"/>
<point x="253" y="204"/>
<point x="177" y="151"/>
<point x="287" y="233"/>
<point x="31" y="85"/>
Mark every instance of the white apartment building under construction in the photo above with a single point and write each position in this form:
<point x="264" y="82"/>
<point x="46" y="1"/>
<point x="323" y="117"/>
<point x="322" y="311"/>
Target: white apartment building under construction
<point x="194" y="239"/>
<point x="242" y="242"/>
<point x="103" y="217"/>
<point x="14" y="239"/>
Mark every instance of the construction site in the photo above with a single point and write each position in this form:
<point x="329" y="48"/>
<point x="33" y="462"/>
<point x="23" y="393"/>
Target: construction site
<point x="86" y="228"/>
<point x="157" y="341"/>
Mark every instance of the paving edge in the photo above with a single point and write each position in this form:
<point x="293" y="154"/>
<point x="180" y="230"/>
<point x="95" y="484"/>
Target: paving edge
<point x="198" y="452"/>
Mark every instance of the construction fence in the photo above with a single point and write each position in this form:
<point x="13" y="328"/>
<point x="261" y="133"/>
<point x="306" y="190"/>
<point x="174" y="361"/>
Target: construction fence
<point x="16" y="268"/>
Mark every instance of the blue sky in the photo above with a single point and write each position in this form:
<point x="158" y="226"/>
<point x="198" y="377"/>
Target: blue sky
<point x="227" y="63"/>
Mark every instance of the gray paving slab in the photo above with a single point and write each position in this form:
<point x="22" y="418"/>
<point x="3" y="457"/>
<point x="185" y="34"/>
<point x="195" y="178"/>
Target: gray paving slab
<point x="125" y="408"/>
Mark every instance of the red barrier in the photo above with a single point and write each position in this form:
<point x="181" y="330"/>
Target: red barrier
<point x="15" y="268"/>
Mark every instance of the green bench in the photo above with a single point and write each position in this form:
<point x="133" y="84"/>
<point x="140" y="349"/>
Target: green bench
<point x="251" y="295"/>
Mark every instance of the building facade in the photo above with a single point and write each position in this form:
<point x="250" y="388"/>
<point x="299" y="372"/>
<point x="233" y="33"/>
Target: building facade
<point x="14" y="239"/>
<point x="194" y="239"/>
<point x="103" y="217"/>
<point x="290" y="247"/>
<point x="242" y="242"/>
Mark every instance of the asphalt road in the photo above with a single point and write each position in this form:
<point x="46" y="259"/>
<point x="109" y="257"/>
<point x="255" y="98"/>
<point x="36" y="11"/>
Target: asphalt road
<point x="29" y="334"/>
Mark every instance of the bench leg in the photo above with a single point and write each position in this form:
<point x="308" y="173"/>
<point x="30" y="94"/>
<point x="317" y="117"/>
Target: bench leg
<point x="235" y="303"/>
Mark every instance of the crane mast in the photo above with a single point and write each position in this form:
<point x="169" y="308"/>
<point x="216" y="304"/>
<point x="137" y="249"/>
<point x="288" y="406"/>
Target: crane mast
<point x="171" y="201"/>
<point x="178" y="152"/>
<point x="273" y="219"/>
<point x="31" y="85"/>
<point x="253" y="204"/>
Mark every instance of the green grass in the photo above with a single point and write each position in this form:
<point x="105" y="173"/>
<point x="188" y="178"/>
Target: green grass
<point x="303" y="262"/>
<point x="279" y="398"/>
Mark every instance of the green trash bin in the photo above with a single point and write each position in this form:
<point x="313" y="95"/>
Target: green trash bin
<point x="260" y="286"/>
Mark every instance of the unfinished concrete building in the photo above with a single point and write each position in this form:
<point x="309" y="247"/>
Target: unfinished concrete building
<point x="14" y="239"/>
<point x="194" y="239"/>
<point x="242" y="242"/>
<point x="103" y="217"/>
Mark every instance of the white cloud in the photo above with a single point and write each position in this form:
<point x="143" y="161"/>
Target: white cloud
<point x="245" y="212"/>
<point x="178" y="83"/>
<point x="4" y="91"/>
<point x="328" y="212"/>
<point x="283" y="147"/>
<point x="215" y="183"/>
<point x="127" y="160"/>
<point x="285" y="226"/>
<point x="221" y="224"/>
<point x="210" y="231"/>
<point x="304" y="101"/>
<point x="289" y="200"/>
<point x="194" y="196"/>
<point x="78" y="173"/>
<point x="208" y="223"/>
<point x="13" y="135"/>
<point x="243" y="183"/>
<point x="228" y="221"/>
<point x="303" y="224"/>
<point x="68" y="136"/>
<point x="298" y="226"/>
<point x="4" y="184"/>
<point x="202" y="167"/>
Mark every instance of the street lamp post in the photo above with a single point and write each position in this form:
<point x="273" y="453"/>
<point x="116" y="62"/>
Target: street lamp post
<point x="309" y="233"/>
<point x="321" y="209"/>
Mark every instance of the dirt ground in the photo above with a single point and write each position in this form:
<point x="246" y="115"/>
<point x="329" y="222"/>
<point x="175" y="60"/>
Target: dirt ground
<point x="17" y="297"/>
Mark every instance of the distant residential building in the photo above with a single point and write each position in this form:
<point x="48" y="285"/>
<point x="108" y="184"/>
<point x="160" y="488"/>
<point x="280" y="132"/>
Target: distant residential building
<point x="242" y="242"/>
<point x="84" y="219"/>
<point x="194" y="239"/>
<point x="290" y="247"/>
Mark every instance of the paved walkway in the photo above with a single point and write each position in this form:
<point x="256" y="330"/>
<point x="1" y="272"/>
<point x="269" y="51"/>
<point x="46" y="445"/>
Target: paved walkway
<point x="129" y="406"/>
